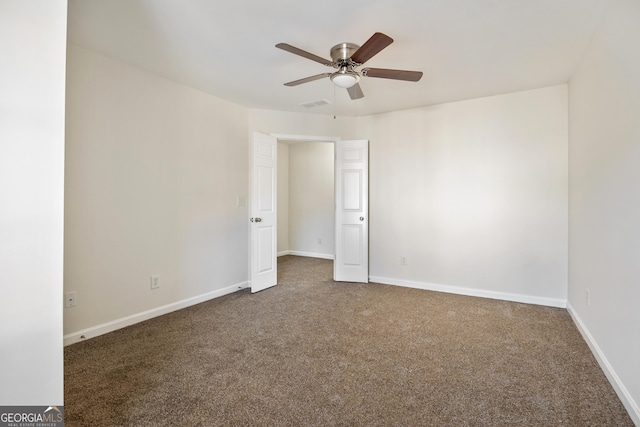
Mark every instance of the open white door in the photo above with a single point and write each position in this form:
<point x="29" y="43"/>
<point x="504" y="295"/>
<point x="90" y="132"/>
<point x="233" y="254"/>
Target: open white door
<point x="351" y="262"/>
<point x="264" y="273"/>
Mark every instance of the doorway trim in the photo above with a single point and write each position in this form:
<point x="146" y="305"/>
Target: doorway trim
<point x="305" y="138"/>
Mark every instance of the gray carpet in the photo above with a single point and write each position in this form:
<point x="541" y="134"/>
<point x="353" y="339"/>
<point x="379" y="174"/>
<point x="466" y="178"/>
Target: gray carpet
<point x="311" y="352"/>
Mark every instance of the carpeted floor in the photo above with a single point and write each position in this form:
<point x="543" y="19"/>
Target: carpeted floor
<point x="312" y="352"/>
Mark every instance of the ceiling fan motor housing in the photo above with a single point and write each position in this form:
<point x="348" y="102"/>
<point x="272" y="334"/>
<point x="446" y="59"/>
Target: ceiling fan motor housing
<point x="342" y="52"/>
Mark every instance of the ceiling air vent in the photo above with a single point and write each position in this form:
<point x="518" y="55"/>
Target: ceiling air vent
<point x="317" y="103"/>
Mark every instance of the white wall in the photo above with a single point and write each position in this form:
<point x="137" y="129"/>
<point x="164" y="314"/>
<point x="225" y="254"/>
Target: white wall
<point x="604" y="244"/>
<point x="283" y="197"/>
<point x="474" y="195"/>
<point x="153" y="173"/>
<point x="311" y="201"/>
<point x="32" y="84"/>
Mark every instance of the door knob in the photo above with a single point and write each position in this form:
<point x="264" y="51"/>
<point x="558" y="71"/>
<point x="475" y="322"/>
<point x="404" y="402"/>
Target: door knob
<point x="258" y="219"/>
<point x="361" y="218"/>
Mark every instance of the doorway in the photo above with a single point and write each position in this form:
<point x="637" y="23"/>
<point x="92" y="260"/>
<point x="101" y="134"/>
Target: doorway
<point x="306" y="199"/>
<point x="351" y="223"/>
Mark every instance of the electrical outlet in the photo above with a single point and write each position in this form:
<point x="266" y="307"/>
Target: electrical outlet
<point x="70" y="299"/>
<point x="403" y="260"/>
<point x="155" y="281"/>
<point x="588" y="295"/>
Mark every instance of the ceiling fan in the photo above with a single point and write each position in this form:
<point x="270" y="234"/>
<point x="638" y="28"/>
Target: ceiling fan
<point x="346" y="58"/>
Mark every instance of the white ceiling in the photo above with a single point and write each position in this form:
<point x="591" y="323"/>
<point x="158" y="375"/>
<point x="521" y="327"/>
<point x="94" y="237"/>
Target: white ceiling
<point x="466" y="48"/>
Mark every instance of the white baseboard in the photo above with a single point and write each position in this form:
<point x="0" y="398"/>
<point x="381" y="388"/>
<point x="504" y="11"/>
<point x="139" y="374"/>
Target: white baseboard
<point x="623" y="394"/>
<point x="114" y="325"/>
<point x="306" y="254"/>
<point x="526" y="299"/>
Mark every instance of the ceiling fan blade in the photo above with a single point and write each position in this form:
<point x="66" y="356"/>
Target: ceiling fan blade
<point x="384" y="73"/>
<point x="307" y="79"/>
<point x="371" y="47"/>
<point x="303" y="53"/>
<point x="355" y="92"/>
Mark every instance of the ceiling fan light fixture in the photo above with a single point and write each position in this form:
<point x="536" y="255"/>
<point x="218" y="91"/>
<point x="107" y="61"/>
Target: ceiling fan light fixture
<point x="345" y="79"/>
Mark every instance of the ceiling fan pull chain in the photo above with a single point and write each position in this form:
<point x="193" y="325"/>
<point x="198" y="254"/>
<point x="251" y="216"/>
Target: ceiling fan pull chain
<point x="355" y="108"/>
<point x="334" y="102"/>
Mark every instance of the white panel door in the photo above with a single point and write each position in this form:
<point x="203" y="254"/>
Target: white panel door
<point x="264" y="273"/>
<point x="351" y="262"/>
